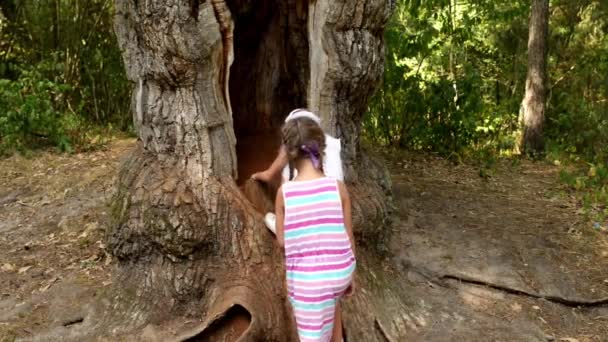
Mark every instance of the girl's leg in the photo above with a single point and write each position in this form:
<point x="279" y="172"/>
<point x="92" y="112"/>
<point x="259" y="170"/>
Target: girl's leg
<point x="337" y="332"/>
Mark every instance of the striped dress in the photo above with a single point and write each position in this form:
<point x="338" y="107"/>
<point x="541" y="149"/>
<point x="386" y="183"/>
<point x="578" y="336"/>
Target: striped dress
<point x="318" y="255"/>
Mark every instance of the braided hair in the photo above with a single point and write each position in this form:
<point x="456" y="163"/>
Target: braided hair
<point x="303" y="138"/>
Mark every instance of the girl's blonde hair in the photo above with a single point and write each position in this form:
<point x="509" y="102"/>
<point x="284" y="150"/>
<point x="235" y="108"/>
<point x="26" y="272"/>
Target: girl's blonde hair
<point x="303" y="138"/>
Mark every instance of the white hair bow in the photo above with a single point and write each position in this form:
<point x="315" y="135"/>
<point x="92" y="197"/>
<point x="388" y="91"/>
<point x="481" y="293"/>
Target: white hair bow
<point x="302" y="113"/>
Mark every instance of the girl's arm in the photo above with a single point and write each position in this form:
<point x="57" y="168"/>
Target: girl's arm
<point x="273" y="172"/>
<point x="348" y="224"/>
<point x="280" y="161"/>
<point x="347" y="212"/>
<point x="279" y="210"/>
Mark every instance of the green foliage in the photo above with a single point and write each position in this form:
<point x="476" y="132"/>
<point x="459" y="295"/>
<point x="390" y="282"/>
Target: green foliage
<point x="63" y="82"/>
<point x="592" y="182"/>
<point x="35" y="112"/>
<point x="442" y="89"/>
<point x="455" y="77"/>
<point x="454" y="80"/>
<point x="577" y="122"/>
<point x="578" y="118"/>
<point x="29" y="112"/>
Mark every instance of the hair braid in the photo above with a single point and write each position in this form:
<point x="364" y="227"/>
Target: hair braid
<point x="303" y="138"/>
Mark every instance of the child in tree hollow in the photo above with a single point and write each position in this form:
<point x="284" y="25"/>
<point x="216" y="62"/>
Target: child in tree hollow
<point x="332" y="163"/>
<point x="314" y="226"/>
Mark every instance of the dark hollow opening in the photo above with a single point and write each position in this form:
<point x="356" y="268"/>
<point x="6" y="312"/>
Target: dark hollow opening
<point x="268" y="77"/>
<point x="230" y="327"/>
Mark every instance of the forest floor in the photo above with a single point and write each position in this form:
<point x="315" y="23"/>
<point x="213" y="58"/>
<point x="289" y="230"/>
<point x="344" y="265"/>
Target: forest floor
<point x="504" y="257"/>
<point x="510" y="255"/>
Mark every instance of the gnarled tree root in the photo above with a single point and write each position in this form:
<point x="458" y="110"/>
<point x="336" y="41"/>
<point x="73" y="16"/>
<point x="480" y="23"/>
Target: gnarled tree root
<point x="571" y="302"/>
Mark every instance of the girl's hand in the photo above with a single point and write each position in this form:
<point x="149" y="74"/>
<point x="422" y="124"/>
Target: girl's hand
<point x="262" y="176"/>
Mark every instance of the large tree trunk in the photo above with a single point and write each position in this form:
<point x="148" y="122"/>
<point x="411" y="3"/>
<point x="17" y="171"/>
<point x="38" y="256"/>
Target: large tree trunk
<point x="213" y="82"/>
<point x="533" y="115"/>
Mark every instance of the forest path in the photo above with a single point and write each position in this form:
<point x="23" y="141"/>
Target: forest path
<point x="53" y="264"/>
<point x="476" y="253"/>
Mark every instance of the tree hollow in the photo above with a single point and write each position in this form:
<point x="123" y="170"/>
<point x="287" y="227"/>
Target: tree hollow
<point x="268" y="77"/>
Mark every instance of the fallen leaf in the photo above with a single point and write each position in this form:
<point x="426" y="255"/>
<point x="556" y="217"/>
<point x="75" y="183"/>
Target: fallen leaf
<point x="47" y="286"/>
<point x="63" y="223"/>
<point x="516" y="307"/>
<point x="24" y="269"/>
<point x="88" y="228"/>
<point x="8" y="268"/>
<point x="89" y="259"/>
<point x="23" y="204"/>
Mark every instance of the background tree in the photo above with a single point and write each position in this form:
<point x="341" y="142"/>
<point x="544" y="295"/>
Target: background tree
<point x="62" y="81"/>
<point x="476" y="52"/>
<point x="66" y="94"/>
<point x="533" y="106"/>
<point x="415" y="106"/>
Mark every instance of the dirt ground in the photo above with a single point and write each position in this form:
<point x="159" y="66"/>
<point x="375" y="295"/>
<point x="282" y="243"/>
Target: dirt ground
<point x="52" y="212"/>
<point x="510" y="253"/>
<point x="504" y="257"/>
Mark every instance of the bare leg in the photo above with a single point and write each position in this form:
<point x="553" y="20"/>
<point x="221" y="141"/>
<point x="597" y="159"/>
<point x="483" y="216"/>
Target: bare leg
<point x="274" y="171"/>
<point x="337" y="332"/>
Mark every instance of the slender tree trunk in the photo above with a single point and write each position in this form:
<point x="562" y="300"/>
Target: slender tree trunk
<point x="497" y="90"/>
<point x="213" y="82"/>
<point x="55" y="23"/>
<point x="533" y="105"/>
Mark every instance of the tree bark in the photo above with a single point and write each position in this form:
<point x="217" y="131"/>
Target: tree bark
<point x="533" y="105"/>
<point x="213" y="82"/>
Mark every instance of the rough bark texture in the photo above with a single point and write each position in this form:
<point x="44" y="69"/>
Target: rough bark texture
<point x="536" y="92"/>
<point x="347" y="59"/>
<point x="213" y="82"/>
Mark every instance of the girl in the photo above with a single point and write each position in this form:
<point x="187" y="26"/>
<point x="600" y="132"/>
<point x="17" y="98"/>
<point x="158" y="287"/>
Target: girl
<point x="314" y="226"/>
<point x="331" y="163"/>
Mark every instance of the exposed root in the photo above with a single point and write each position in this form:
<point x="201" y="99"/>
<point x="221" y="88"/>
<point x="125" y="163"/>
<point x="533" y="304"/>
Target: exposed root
<point x="555" y="299"/>
<point x="76" y="320"/>
<point x="260" y="195"/>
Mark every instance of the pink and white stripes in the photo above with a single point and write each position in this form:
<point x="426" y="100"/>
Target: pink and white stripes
<point x="319" y="257"/>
